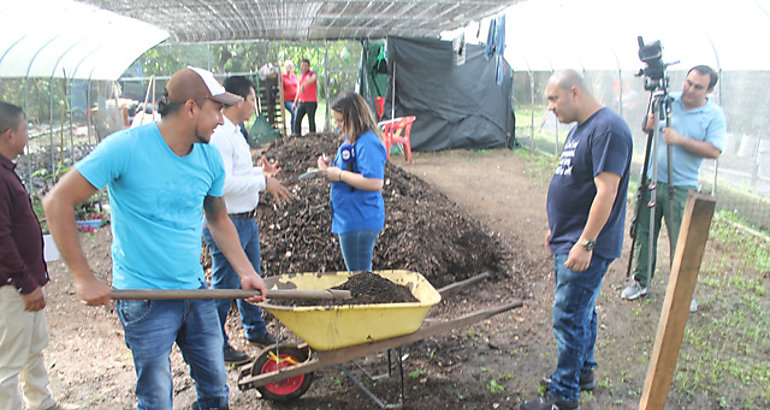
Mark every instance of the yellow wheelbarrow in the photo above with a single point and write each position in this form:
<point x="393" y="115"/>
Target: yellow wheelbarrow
<point x="338" y="334"/>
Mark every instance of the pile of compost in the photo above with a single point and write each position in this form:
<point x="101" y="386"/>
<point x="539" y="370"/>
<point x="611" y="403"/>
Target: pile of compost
<point x="424" y="231"/>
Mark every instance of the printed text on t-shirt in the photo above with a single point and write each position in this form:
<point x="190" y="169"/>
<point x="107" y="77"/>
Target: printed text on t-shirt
<point x="565" y="162"/>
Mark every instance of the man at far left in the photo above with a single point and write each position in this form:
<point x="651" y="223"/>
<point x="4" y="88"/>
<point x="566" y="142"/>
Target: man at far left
<point x="23" y="273"/>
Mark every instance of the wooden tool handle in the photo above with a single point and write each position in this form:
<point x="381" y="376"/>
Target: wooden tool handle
<point x="171" y="294"/>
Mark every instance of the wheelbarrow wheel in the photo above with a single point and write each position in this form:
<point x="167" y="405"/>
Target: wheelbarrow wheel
<point x="276" y="358"/>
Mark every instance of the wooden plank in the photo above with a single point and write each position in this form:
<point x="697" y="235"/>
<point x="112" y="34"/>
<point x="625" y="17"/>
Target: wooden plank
<point x="173" y="294"/>
<point x="331" y="357"/>
<point x="283" y="99"/>
<point x="693" y="235"/>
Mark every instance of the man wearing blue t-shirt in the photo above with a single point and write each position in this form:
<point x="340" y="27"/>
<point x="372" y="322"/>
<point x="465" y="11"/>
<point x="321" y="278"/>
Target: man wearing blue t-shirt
<point x="697" y="131"/>
<point x="161" y="176"/>
<point x="586" y="207"/>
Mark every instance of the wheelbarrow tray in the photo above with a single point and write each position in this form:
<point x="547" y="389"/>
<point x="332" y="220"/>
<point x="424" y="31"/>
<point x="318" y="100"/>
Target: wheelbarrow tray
<point x="334" y="327"/>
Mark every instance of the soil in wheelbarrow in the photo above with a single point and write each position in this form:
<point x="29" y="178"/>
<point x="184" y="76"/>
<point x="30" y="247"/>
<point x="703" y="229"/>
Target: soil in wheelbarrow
<point x="365" y="288"/>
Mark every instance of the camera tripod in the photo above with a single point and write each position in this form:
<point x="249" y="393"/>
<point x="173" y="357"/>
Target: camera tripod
<point x="660" y="104"/>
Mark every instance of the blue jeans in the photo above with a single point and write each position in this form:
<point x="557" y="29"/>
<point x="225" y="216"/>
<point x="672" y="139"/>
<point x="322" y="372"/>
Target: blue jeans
<point x="290" y="106"/>
<point x="574" y="323"/>
<point x="224" y="277"/>
<point x="151" y="328"/>
<point x="357" y="249"/>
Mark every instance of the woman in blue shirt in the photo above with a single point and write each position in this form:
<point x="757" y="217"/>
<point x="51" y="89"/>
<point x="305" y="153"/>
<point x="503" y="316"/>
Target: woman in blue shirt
<point x="357" y="174"/>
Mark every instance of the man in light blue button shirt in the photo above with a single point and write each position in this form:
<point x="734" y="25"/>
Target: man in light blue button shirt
<point x="697" y="131"/>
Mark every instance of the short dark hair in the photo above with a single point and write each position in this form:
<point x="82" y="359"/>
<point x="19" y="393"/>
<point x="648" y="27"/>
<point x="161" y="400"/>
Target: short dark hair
<point x="239" y="85"/>
<point x="10" y="116"/>
<point x="305" y="60"/>
<point x="166" y="108"/>
<point x="703" y="70"/>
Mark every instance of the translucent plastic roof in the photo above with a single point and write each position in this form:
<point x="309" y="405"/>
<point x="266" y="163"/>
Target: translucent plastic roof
<point x="602" y="34"/>
<point x="230" y="20"/>
<point x="98" y="39"/>
<point x="58" y="38"/>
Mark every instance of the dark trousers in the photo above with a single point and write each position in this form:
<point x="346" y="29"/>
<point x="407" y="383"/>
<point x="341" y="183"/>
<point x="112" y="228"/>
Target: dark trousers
<point x="302" y="109"/>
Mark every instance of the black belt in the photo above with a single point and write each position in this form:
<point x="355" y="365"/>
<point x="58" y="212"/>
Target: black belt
<point x="249" y="215"/>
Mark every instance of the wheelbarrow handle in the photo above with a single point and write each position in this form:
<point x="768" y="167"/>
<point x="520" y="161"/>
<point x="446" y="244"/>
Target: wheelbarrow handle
<point x="172" y="294"/>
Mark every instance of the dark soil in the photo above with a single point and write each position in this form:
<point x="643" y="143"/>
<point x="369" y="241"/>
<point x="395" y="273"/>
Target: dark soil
<point x="424" y="231"/>
<point x="365" y="288"/>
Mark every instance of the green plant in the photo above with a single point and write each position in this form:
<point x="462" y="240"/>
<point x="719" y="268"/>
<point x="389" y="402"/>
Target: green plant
<point x="723" y="346"/>
<point x="416" y="374"/>
<point x="494" y="387"/>
<point x="37" y="208"/>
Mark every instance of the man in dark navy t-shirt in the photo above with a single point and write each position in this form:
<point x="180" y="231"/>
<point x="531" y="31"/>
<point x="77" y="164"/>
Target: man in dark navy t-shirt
<point x="586" y="214"/>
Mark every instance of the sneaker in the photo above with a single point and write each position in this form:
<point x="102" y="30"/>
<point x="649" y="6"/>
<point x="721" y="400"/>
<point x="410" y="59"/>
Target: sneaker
<point x="234" y="356"/>
<point x="633" y="291"/>
<point x="587" y="381"/>
<point x="548" y="402"/>
<point x="263" y="340"/>
<point x="693" y="306"/>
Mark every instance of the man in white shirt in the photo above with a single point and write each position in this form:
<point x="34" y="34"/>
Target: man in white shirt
<point x="145" y="114"/>
<point x="243" y="182"/>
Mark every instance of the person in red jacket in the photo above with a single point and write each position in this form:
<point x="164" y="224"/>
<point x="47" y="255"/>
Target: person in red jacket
<point x="306" y="101"/>
<point x="23" y="273"/>
<point x="290" y="85"/>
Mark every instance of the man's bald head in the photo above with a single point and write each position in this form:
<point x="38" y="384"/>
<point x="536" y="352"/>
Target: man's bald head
<point x="569" y="98"/>
<point x="566" y="79"/>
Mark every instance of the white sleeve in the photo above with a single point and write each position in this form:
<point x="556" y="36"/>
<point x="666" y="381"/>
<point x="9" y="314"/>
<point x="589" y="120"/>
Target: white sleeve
<point x="234" y="185"/>
<point x="260" y="178"/>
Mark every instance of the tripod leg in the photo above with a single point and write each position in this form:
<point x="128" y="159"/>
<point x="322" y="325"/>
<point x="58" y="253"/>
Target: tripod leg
<point x="638" y="208"/>
<point x="659" y="108"/>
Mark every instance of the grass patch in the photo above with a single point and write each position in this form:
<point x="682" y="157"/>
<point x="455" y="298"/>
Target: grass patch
<point x="725" y="346"/>
<point x="540" y="166"/>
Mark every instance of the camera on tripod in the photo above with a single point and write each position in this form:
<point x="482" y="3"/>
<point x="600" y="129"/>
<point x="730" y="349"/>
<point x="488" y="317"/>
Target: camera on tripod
<point x="652" y="55"/>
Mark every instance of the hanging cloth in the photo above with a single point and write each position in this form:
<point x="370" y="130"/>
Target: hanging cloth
<point x="490" y="49"/>
<point x="500" y="48"/>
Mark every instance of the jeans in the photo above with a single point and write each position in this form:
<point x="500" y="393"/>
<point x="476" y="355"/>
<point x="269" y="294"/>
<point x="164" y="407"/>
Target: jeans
<point x="673" y="223"/>
<point x="357" y="249"/>
<point x="224" y="277"/>
<point x="302" y="109"/>
<point x="152" y="326"/>
<point x="574" y="323"/>
<point x="290" y="107"/>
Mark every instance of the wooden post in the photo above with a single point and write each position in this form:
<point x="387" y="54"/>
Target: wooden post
<point x="282" y="110"/>
<point x="676" y="307"/>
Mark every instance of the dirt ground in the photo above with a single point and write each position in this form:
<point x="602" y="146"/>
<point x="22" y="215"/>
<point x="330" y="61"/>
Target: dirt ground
<point x="494" y="364"/>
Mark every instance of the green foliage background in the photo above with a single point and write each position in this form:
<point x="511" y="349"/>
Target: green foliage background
<point x="45" y="99"/>
<point x="245" y="57"/>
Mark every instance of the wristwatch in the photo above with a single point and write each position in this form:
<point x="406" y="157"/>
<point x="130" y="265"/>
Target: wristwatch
<point x="589" y="244"/>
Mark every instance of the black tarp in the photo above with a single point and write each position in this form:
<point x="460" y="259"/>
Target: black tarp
<point x="457" y="106"/>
